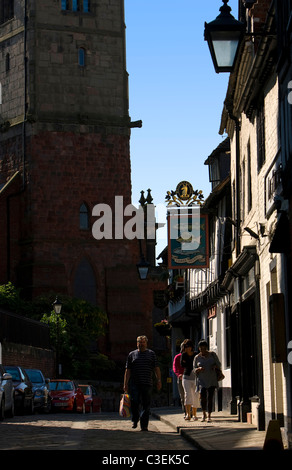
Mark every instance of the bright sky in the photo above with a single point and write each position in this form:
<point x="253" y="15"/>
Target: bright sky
<point x="175" y="91"/>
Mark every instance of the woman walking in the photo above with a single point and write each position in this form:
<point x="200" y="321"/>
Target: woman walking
<point x="191" y="396"/>
<point x="205" y="364"/>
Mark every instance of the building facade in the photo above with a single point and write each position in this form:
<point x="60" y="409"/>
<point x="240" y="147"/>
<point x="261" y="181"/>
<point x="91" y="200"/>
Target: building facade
<point x="252" y="332"/>
<point x="65" y="148"/>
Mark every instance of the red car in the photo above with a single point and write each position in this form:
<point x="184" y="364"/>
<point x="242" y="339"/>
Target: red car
<point x="92" y="401"/>
<point x="66" y="395"/>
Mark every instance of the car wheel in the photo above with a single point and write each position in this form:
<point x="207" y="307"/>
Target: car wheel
<point x="2" y="410"/>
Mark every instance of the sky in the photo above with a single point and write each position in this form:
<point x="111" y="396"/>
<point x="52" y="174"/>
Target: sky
<point x="175" y="91"/>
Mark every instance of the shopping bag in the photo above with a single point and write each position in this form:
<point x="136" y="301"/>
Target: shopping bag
<point x="125" y="405"/>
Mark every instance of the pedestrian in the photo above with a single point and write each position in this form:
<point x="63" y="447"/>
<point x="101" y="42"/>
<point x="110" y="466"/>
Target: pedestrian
<point x="191" y="396"/>
<point x="205" y="364"/>
<point x="179" y="370"/>
<point x="138" y="381"/>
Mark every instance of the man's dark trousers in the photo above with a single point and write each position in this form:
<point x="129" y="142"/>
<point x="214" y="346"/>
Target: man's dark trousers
<point x="141" y="393"/>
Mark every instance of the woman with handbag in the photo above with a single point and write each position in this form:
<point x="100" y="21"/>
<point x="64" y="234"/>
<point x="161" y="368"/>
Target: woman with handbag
<point x="206" y="364"/>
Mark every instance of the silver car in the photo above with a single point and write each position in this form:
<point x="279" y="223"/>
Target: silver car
<point x="6" y="394"/>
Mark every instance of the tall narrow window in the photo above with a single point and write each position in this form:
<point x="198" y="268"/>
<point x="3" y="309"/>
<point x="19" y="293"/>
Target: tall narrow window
<point x="7" y="62"/>
<point x="249" y="179"/>
<point x="261" y="136"/>
<point x="76" y="5"/>
<point x="86" y="6"/>
<point x="65" y="5"/>
<point x="83" y="217"/>
<point x="81" y="57"/>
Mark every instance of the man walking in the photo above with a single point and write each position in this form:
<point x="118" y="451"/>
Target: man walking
<point x="140" y="365"/>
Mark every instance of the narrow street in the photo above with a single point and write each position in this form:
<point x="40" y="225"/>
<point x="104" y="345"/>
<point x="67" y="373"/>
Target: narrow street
<point x="97" y="431"/>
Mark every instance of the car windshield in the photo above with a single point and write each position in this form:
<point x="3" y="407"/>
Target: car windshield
<point x="34" y="376"/>
<point x="14" y="372"/>
<point x="85" y="389"/>
<point x="61" y="385"/>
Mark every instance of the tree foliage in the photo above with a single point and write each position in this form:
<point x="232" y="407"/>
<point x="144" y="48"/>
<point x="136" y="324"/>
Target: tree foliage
<point x="75" y="332"/>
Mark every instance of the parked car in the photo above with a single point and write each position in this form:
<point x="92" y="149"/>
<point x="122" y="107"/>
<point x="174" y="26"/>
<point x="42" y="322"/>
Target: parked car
<point x="41" y="391"/>
<point x="65" y="395"/>
<point x="6" y="394"/>
<point x="23" y="392"/>
<point x="92" y="400"/>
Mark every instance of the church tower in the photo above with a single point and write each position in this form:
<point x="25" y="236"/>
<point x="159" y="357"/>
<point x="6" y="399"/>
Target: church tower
<point x="65" y="132"/>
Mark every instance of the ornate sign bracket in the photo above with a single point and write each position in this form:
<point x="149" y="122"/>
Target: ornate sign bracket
<point x="184" y="195"/>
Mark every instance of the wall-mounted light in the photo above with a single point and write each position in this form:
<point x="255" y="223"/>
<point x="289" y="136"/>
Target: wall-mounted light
<point x="251" y="232"/>
<point x="143" y="268"/>
<point x="224" y="35"/>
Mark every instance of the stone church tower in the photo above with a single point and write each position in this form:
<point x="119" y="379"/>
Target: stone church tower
<point x="65" y="132"/>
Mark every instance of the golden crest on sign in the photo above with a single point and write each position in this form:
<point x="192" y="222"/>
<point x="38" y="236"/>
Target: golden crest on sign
<point x="184" y="195"/>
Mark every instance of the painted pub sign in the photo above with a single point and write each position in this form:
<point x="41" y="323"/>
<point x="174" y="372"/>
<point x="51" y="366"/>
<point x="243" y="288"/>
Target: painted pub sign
<point x="188" y="243"/>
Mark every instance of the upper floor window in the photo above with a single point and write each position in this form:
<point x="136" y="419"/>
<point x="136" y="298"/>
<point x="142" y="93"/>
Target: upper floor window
<point x="6" y="10"/>
<point x="75" y="5"/>
<point x="84" y="217"/>
<point x="261" y="136"/>
<point x="81" y="57"/>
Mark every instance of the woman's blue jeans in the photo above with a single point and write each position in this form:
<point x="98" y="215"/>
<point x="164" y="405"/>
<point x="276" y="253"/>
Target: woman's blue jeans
<point x="141" y="394"/>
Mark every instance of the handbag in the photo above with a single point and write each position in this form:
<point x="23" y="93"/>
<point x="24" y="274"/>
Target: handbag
<point x="219" y="373"/>
<point x="125" y="406"/>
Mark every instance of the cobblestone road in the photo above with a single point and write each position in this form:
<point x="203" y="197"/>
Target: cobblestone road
<point x="97" y="431"/>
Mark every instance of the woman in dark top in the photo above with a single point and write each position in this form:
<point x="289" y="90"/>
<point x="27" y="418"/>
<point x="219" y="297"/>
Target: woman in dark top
<point x="192" y="400"/>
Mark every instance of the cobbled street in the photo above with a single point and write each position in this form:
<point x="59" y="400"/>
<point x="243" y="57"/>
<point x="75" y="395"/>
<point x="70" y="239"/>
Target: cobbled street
<point x="97" y="431"/>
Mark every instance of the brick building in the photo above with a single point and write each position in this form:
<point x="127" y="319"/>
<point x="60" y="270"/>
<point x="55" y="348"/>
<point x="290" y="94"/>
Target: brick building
<point x="65" y="147"/>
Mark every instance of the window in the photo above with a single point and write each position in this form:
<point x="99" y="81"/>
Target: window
<point x="7" y="62"/>
<point x="83" y="217"/>
<point x="81" y="57"/>
<point x="75" y="5"/>
<point x="249" y="180"/>
<point x="65" y="5"/>
<point x="6" y="10"/>
<point x="261" y="136"/>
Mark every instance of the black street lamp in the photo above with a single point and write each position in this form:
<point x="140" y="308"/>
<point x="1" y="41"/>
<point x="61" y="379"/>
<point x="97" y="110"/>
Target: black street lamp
<point x="143" y="268"/>
<point x="224" y="35"/>
<point x="57" y="305"/>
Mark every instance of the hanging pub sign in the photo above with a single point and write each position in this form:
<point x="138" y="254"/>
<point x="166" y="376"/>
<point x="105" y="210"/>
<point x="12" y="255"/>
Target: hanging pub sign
<point x="187" y="228"/>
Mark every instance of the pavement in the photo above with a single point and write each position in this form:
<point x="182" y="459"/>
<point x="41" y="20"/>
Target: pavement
<point x="225" y="432"/>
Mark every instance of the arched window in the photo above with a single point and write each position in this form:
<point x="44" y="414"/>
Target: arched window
<point x="84" y="217"/>
<point x="81" y="57"/>
<point x="85" y="282"/>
